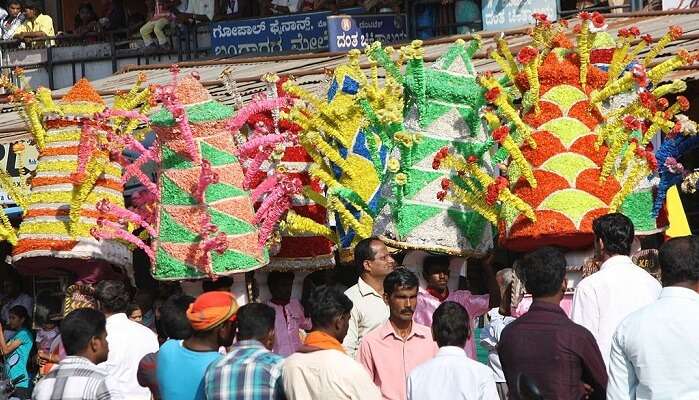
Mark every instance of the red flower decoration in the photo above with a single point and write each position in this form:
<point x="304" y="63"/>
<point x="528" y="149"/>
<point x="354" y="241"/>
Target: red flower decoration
<point x="647" y="38"/>
<point x="563" y="22"/>
<point x="577" y="28"/>
<point x="663" y="103"/>
<point x="501" y="133"/>
<point x="472" y="159"/>
<point x="441" y="195"/>
<point x="492" y="194"/>
<point x="492" y="94"/>
<point x="676" y="32"/>
<point x="675" y="130"/>
<point x="436" y="163"/>
<point x="598" y="20"/>
<point x="540" y="17"/>
<point x="445" y="183"/>
<point x="652" y="161"/>
<point x="647" y="99"/>
<point x="686" y="57"/>
<point x="634" y="31"/>
<point x="623" y="32"/>
<point x="683" y="102"/>
<point x="584" y="16"/>
<point x="527" y="54"/>
<point x="632" y="123"/>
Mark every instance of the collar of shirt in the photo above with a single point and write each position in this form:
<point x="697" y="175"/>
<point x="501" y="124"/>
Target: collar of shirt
<point x="439" y="296"/>
<point x="615" y="260"/>
<point x="247" y="344"/>
<point x="78" y="360"/>
<point x="366" y="290"/>
<point x="681" y="292"/>
<point x="451" y="351"/>
<point x="546" y="307"/>
<point x="118" y="317"/>
<point x="415" y="330"/>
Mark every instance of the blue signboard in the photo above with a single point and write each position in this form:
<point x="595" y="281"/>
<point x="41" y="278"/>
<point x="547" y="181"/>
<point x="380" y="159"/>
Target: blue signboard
<point x="356" y="32"/>
<point x="287" y="33"/>
<point x="508" y="14"/>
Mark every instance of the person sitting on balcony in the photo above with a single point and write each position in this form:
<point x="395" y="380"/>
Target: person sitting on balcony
<point x="11" y="19"/>
<point x="161" y="12"/>
<point x="37" y="25"/>
<point x="86" y="20"/>
<point x="114" y="15"/>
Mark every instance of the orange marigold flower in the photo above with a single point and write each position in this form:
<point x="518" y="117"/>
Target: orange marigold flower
<point x="527" y="54"/>
<point x="683" y="102"/>
<point x="501" y="133"/>
<point x="598" y="19"/>
<point x="492" y="94"/>
<point x="676" y="32"/>
<point x="445" y="183"/>
<point x="663" y="103"/>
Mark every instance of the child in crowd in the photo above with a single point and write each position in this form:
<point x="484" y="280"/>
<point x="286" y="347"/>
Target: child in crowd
<point x="290" y="317"/>
<point x="161" y="14"/>
<point x="17" y="350"/>
<point x="133" y="311"/>
<point x="48" y="342"/>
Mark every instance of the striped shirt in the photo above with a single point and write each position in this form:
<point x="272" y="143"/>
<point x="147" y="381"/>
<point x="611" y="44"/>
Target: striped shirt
<point x="76" y="378"/>
<point x="248" y="372"/>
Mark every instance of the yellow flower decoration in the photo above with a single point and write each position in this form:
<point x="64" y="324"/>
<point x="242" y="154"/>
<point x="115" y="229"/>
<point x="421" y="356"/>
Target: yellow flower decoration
<point x="393" y="164"/>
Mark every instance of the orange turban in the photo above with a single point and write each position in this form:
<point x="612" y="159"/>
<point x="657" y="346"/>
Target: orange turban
<point x="211" y="309"/>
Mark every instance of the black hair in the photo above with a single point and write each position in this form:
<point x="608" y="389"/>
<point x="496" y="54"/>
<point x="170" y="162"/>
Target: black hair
<point x="255" y="321"/>
<point x="33" y="5"/>
<point x="679" y="260"/>
<point x="364" y="252"/>
<point x="542" y="271"/>
<point x="276" y="276"/>
<point x="399" y="278"/>
<point x="11" y="2"/>
<point x="79" y="326"/>
<point x="450" y="325"/>
<point x="113" y="296"/>
<point x="431" y="262"/>
<point x="21" y="312"/>
<point x="327" y="303"/>
<point x="131" y="308"/>
<point x="223" y="282"/>
<point x="173" y="317"/>
<point x="616" y="232"/>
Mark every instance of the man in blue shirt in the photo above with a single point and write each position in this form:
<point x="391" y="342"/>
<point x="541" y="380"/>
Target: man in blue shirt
<point x="250" y="371"/>
<point x="182" y="363"/>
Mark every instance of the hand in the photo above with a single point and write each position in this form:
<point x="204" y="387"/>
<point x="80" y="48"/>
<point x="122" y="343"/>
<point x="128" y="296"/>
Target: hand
<point x="588" y="390"/>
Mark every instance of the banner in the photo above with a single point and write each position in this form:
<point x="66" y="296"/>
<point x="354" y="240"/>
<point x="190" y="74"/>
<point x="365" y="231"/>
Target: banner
<point x="356" y="32"/>
<point x="509" y="14"/>
<point x="680" y="4"/>
<point x="11" y="163"/>
<point x="304" y="32"/>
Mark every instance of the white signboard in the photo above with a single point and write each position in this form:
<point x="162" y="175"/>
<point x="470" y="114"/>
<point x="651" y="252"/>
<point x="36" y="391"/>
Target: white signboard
<point x="680" y="4"/>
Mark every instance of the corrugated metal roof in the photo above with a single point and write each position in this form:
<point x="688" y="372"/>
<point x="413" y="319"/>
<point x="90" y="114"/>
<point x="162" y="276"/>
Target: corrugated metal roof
<point x="309" y="69"/>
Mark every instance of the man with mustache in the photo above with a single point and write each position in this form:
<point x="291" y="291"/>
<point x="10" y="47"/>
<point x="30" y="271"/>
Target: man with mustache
<point x="394" y="348"/>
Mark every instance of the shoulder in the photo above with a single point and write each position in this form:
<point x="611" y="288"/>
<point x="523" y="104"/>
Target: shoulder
<point x="422" y="329"/>
<point x="352" y="291"/>
<point x="24" y="335"/>
<point x="44" y="18"/>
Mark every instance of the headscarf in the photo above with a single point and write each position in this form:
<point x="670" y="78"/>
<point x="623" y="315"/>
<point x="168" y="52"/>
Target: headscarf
<point x="211" y="309"/>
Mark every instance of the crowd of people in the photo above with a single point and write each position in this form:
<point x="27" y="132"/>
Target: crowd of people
<point x="385" y="337"/>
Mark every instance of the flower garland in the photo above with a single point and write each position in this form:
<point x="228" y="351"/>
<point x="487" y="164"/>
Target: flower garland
<point x="657" y="73"/>
<point x="95" y="168"/>
<point x="295" y="224"/>
<point x="497" y="96"/>
<point x="529" y="57"/>
<point x="674" y="33"/>
<point x="502" y="136"/>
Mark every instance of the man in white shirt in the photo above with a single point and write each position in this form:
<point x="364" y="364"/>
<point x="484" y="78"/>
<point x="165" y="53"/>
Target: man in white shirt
<point x="498" y="320"/>
<point x="602" y="300"/>
<point x="321" y="369"/>
<point x="451" y="374"/>
<point x="374" y="262"/>
<point x="128" y="341"/>
<point x="655" y="351"/>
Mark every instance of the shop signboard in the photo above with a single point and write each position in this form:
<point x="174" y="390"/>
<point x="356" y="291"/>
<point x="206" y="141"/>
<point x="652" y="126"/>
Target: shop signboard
<point x="17" y="164"/>
<point x="499" y="15"/>
<point x="348" y="32"/>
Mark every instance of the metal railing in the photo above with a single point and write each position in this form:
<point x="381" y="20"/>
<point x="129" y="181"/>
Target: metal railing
<point x="116" y="46"/>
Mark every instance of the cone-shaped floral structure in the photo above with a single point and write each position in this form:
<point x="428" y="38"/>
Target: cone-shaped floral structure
<point x="442" y="108"/>
<point x="206" y="219"/>
<point x="75" y="171"/>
